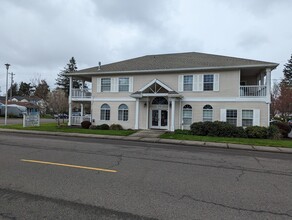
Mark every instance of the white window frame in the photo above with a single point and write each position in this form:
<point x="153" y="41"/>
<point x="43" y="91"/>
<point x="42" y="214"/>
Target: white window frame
<point x="188" y="84"/>
<point x="205" y="109"/>
<point x="205" y="83"/>
<point x="243" y="118"/>
<point x="105" y="112"/>
<point x="128" y="85"/>
<point x="123" y="113"/>
<point x="102" y="89"/>
<point x="231" y="118"/>
<point x="187" y="108"/>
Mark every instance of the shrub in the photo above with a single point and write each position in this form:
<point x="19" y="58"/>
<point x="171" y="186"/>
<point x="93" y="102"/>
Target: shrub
<point x="85" y="124"/>
<point x="217" y="129"/>
<point x="198" y="128"/>
<point x="184" y="132"/>
<point x="274" y="132"/>
<point x="257" y="132"/>
<point x="103" y="127"/>
<point x="116" y="127"/>
<point x="283" y="127"/>
<point x="93" y="127"/>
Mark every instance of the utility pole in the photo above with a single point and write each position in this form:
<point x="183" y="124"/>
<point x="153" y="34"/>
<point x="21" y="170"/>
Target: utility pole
<point x="12" y="74"/>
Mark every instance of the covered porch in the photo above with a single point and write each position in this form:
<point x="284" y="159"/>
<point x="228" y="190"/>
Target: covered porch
<point x="160" y="103"/>
<point x="80" y="100"/>
<point x="255" y="82"/>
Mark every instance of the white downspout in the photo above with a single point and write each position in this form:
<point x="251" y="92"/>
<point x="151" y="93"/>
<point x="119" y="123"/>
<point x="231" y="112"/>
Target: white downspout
<point x="70" y="101"/>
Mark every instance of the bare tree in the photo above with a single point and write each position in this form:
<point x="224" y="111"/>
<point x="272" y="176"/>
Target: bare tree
<point x="58" y="102"/>
<point x="284" y="101"/>
<point x="275" y="93"/>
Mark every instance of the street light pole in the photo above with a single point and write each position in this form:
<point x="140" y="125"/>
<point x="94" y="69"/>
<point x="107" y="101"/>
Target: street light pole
<point x="11" y="84"/>
<point x="6" y="100"/>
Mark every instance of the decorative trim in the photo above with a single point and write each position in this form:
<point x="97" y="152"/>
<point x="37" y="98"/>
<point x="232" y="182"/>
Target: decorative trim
<point x="113" y="99"/>
<point x="223" y="99"/>
<point x="175" y="70"/>
<point x="155" y="81"/>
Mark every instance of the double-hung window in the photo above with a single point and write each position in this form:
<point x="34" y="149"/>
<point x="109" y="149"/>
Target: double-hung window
<point x="105" y="84"/>
<point x="188" y="83"/>
<point x="208" y="82"/>
<point x="231" y="116"/>
<point x="247" y="118"/>
<point x="124" y="84"/>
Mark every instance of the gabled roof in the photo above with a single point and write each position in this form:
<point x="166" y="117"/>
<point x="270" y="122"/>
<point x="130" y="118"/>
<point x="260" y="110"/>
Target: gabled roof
<point x="175" y="62"/>
<point x="155" y="87"/>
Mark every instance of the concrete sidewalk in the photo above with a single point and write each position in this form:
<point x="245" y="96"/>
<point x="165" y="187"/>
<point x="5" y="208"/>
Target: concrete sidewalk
<point x="148" y="138"/>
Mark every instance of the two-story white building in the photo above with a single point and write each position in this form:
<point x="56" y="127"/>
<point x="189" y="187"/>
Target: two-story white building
<point x="171" y="91"/>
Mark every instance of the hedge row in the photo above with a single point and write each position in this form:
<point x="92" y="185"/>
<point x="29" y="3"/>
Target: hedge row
<point x="224" y="129"/>
<point x="88" y="125"/>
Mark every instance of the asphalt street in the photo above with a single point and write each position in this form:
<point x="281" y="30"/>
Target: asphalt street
<point x="49" y="177"/>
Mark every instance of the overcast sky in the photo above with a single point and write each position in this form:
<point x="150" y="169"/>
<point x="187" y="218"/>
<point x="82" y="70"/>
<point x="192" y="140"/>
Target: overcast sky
<point x="39" y="37"/>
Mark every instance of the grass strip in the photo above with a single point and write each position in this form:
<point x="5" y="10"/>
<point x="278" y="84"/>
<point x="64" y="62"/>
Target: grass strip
<point x="53" y="127"/>
<point x="248" y="141"/>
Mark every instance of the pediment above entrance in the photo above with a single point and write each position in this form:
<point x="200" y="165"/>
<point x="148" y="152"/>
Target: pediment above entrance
<point x="155" y="88"/>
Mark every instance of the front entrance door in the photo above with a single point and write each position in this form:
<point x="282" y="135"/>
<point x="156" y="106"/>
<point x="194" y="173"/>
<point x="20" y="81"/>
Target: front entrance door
<point x="159" y="118"/>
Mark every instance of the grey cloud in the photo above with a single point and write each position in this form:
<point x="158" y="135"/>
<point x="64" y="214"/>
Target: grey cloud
<point x="252" y="40"/>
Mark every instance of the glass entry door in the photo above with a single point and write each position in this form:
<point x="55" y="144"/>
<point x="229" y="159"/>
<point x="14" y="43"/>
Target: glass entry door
<point x="159" y="118"/>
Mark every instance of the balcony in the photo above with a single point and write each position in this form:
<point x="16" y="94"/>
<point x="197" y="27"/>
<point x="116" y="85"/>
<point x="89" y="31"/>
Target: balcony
<point x="253" y="91"/>
<point x="76" y="120"/>
<point x="82" y="94"/>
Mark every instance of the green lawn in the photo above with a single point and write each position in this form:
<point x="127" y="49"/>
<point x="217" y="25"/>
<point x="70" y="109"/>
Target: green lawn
<point x="53" y="127"/>
<point x="249" y="141"/>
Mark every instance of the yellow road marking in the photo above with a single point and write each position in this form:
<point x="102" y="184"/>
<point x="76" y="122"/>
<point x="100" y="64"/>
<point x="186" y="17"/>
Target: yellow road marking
<point x="69" y="165"/>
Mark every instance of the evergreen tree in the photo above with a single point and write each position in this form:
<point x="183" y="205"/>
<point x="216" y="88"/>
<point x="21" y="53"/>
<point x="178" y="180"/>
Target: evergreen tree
<point x="24" y="89"/>
<point x="288" y="73"/>
<point x="284" y="102"/>
<point x="14" y="89"/>
<point x="63" y="80"/>
<point x="42" y="90"/>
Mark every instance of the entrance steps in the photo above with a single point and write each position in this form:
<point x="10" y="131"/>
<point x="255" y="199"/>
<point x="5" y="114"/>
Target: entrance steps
<point x="148" y="133"/>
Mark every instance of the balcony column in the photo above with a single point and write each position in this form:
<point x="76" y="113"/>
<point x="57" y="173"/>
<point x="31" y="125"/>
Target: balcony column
<point x="137" y="114"/>
<point x="172" y="114"/>
<point x="70" y="100"/>
<point x="82" y="91"/>
<point x="268" y="84"/>
<point x="147" y="113"/>
<point x="81" y="112"/>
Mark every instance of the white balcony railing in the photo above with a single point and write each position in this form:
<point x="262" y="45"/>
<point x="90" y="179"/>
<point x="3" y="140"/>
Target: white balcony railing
<point x="253" y="91"/>
<point x="76" y="120"/>
<point x="81" y="93"/>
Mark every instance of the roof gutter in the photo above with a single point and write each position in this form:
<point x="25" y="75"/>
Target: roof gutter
<point x="272" y="66"/>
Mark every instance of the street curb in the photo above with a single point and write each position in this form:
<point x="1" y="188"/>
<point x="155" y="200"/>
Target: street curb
<point x="159" y="140"/>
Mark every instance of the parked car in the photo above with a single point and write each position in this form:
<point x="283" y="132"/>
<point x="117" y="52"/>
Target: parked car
<point x="76" y="113"/>
<point x="61" y="116"/>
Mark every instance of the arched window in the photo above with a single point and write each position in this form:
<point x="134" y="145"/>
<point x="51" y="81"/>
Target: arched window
<point x="105" y="112"/>
<point x="123" y="113"/>
<point x="187" y="115"/>
<point x="159" y="101"/>
<point x="208" y="113"/>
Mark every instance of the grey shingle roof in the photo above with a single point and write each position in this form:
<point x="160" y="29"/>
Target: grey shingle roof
<point x="176" y="61"/>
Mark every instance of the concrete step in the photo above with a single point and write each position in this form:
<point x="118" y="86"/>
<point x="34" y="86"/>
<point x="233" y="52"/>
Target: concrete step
<point x="148" y="133"/>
